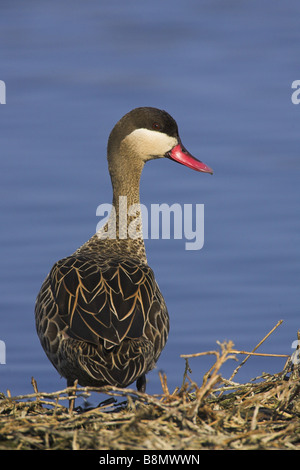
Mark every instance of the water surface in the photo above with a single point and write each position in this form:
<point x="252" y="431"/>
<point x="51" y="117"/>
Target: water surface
<point x="224" y="71"/>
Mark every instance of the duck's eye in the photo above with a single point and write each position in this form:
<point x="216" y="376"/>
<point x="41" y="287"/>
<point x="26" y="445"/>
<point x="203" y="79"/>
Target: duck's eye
<point x="156" y="126"/>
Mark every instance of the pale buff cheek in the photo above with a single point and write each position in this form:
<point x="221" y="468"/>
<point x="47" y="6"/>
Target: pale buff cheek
<point x="147" y="143"/>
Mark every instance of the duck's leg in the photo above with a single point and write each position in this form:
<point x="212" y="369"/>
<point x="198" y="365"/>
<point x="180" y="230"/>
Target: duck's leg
<point x="141" y="383"/>
<point x="71" y="383"/>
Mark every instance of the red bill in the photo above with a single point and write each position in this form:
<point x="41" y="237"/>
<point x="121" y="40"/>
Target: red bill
<point x="181" y="155"/>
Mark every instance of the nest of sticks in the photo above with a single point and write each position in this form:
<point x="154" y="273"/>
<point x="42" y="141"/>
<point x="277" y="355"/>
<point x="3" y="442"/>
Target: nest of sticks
<point x="218" y="414"/>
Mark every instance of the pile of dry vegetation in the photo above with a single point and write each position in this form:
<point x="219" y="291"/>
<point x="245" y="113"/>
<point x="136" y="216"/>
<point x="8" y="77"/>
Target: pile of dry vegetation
<point x="218" y="414"/>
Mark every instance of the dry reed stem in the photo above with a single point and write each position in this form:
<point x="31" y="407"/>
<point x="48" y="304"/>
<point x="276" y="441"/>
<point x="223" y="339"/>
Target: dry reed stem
<point x="256" y="347"/>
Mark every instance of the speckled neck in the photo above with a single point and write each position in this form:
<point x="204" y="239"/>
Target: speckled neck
<point x="122" y="235"/>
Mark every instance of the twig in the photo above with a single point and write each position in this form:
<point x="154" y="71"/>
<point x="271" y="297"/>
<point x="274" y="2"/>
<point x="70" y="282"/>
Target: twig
<point x="259" y="354"/>
<point x="164" y="385"/>
<point x="213" y="377"/>
<point x="256" y="347"/>
<point x="185" y="376"/>
<point x="205" y="353"/>
<point x="35" y="388"/>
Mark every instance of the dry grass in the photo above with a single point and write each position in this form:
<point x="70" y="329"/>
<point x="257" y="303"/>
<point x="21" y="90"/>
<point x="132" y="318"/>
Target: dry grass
<point x="218" y="414"/>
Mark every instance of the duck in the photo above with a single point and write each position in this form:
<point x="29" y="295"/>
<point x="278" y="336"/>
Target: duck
<point x="100" y="315"/>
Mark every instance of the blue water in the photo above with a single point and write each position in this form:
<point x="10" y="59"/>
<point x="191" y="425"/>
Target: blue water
<point x="224" y="71"/>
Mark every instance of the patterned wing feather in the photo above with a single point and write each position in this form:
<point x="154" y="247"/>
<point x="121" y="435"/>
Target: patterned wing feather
<point x="107" y="302"/>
